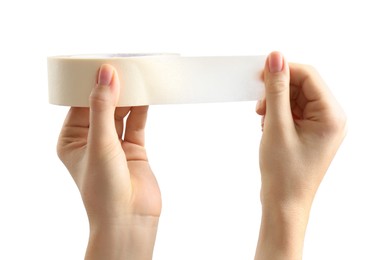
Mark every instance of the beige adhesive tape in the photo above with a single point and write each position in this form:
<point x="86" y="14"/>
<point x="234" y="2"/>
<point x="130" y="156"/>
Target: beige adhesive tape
<point x="157" y="79"/>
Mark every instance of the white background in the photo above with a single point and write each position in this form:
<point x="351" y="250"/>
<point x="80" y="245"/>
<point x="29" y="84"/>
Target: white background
<point x="204" y="156"/>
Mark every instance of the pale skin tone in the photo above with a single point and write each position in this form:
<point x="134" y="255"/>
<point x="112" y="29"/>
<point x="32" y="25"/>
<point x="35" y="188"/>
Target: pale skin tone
<point x="107" y="160"/>
<point x="302" y="130"/>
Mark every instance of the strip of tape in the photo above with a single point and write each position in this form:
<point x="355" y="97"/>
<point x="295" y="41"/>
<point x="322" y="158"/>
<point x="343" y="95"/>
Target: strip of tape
<point x="158" y="79"/>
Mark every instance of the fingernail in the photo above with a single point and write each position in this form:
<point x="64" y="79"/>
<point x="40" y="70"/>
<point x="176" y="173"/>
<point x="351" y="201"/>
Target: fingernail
<point x="276" y="62"/>
<point x="105" y="75"/>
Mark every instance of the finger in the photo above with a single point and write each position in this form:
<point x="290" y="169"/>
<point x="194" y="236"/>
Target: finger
<point x="261" y="107"/>
<point x="77" y="117"/>
<point x="308" y="80"/>
<point x="76" y="124"/>
<point x="297" y="112"/>
<point x="135" y="126"/>
<point x="301" y="100"/>
<point x="75" y="128"/>
<point x="276" y="77"/>
<point x="103" y="101"/>
<point x="263" y="122"/>
<point x="120" y="114"/>
<point x="297" y="102"/>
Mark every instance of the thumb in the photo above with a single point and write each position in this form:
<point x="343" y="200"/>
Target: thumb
<point x="276" y="78"/>
<point x="102" y="101"/>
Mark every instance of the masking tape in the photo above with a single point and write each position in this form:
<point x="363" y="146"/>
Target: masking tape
<point x="158" y="78"/>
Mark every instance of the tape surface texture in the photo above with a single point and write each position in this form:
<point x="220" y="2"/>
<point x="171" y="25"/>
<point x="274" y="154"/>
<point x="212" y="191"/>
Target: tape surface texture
<point x="158" y="79"/>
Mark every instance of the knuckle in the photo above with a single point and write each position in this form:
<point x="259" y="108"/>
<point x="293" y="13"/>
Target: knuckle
<point x="308" y="69"/>
<point x="311" y="69"/>
<point x="60" y="151"/>
<point x="99" y="101"/>
<point x="277" y="85"/>
<point x="61" y="148"/>
<point x="337" y="123"/>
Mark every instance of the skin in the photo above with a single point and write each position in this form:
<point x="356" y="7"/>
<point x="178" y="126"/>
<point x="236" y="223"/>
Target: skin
<point x="303" y="126"/>
<point x="106" y="157"/>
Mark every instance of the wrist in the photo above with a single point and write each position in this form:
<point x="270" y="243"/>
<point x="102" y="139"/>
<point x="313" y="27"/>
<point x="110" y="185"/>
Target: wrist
<point x="286" y="216"/>
<point x="133" y="238"/>
<point x="287" y="193"/>
<point x="282" y="231"/>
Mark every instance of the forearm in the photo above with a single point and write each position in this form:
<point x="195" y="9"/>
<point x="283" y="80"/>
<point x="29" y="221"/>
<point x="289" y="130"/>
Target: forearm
<point x="128" y="241"/>
<point x="282" y="232"/>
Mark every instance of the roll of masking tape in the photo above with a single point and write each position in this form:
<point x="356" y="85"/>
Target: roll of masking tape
<point x="158" y="78"/>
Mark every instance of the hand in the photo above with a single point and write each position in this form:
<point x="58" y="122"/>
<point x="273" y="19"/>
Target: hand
<point x="303" y="126"/>
<point x="112" y="172"/>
